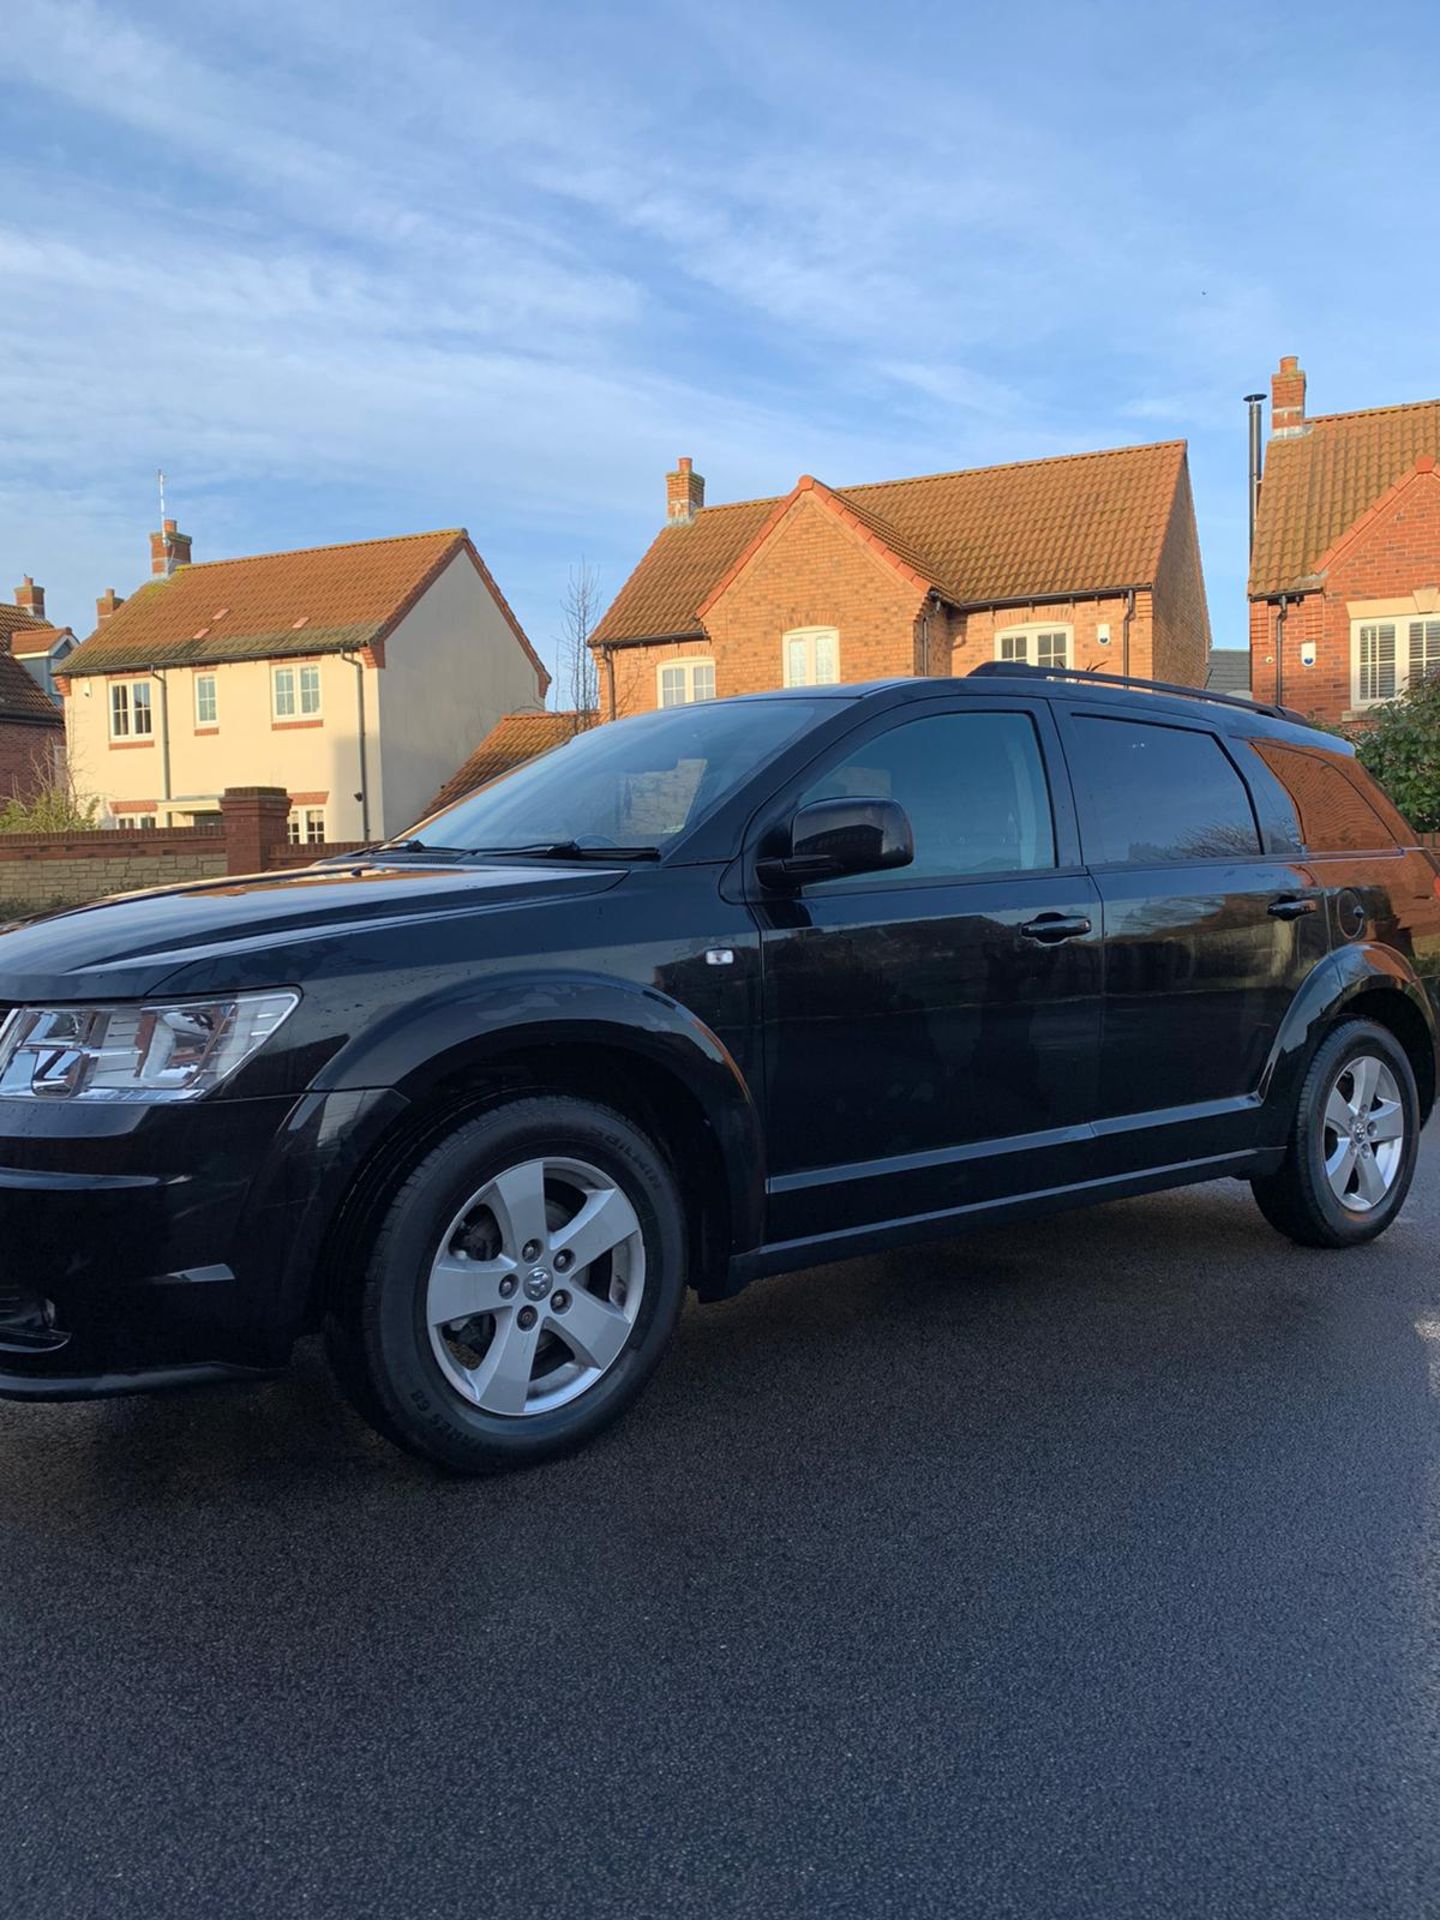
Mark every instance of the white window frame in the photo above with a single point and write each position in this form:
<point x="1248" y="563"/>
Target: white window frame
<point x="810" y="640"/>
<point x="697" y="680"/>
<point x="306" y="827"/>
<point x="134" y="822"/>
<point x="212" y="719"/>
<point x="1023" y="643"/>
<point x="129" y="709"/>
<point x="1401" y="626"/>
<point x="305" y="701"/>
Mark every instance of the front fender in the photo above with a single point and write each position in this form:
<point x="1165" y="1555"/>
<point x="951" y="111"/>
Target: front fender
<point x="1340" y="978"/>
<point x="427" y="1044"/>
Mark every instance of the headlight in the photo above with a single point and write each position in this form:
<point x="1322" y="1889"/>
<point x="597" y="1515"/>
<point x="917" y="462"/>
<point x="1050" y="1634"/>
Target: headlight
<point x="173" y="1052"/>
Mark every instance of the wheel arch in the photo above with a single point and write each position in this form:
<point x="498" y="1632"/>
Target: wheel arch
<point x="661" y="1068"/>
<point x="1363" y="982"/>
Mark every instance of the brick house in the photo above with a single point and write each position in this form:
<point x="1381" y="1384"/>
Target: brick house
<point x="1090" y="560"/>
<point x="1345" y="568"/>
<point x="32" y="726"/>
<point x="354" y="677"/>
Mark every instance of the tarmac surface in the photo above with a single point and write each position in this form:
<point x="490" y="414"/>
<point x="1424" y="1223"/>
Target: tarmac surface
<point x="1083" y="1568"/>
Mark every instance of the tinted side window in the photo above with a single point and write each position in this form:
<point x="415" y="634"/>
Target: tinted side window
<point x="973" y="785"/>
<point x="1154" y="793"/>
<point x="1335" y="816"/>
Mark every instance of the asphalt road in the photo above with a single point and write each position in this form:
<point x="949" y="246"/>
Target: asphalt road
<point x="1088" y="1568"/>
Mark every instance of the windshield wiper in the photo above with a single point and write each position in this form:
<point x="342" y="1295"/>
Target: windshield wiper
<point x="571" y="850"/>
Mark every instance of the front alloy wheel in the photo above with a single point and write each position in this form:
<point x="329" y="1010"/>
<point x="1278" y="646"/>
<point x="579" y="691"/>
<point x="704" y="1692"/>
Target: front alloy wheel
<point x="534" y="1293"/>
<point x="521" y="1288"/>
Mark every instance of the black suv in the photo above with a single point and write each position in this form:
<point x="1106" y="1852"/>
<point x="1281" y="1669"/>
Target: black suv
<point x="718" y="991"/>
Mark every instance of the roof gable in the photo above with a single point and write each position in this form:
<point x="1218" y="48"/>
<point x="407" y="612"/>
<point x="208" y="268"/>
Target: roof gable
<point x="514" y="739"/>
<point x="314" y="600"/>
<point x="1319" y="483"/>
<point x="1081" y="523"/>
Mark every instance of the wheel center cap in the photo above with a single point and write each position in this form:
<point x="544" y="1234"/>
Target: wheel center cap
<point x="1357" y="1133"/>
<point x="537" y="1283"/>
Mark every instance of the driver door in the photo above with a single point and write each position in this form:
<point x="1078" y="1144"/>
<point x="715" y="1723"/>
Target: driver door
<point x="931" y="1034"/>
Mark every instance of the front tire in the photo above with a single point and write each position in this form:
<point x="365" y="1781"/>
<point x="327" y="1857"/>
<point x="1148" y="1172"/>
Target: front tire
<point x="524" y="1282"/>
<point x="1353" y="1142"/>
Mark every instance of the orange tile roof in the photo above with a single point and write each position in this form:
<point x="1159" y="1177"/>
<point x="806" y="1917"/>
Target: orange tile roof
<point x="512" y="741"/>
<point x="318" y="600"/>
<point x="37" y="639"/>
<point x="1076" y="524"/>
<point x="21" y="699"/>
<point x="1318" y="483"/>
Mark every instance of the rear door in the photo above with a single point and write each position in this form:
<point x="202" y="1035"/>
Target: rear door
<point x="931" y="1032"/>
<point x="1209" y="932"/>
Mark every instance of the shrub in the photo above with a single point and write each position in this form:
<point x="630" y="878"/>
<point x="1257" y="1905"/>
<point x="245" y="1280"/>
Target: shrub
<point x="1401" y="747"/>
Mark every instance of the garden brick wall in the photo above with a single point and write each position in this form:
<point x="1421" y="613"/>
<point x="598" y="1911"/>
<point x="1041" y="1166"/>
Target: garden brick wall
<point x="42" y="870"/>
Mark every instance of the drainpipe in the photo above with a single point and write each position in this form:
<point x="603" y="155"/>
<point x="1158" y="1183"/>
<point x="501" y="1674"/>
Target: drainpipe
<point x="359" y="666"/>
<point x="607" y="654"/>
<point x="1125" y="633"/>
<point x="157" y="673"/>
<point x="1280" y="650"/>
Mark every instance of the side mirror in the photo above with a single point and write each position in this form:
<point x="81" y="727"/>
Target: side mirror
<point x="833" y="837"/>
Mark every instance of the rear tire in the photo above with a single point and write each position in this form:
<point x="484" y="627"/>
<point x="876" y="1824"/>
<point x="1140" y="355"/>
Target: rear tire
<point x="523" y="1284"/>
<point x="1353" y="1142"/>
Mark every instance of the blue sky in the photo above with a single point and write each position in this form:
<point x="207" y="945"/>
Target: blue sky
<point x="348" y="269"/>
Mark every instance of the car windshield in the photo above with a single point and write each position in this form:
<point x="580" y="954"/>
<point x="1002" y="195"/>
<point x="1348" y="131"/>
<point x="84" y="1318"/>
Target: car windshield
<point x="633" y="784"/>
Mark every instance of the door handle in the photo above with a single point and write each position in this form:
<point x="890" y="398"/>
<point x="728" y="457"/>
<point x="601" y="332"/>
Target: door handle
<point x="1291" y="909"/>
<point x="1051" y="928"/>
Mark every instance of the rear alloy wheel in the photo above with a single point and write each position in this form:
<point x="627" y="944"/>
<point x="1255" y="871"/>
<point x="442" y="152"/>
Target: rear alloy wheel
<point x="1353" y="1143"/>
<point x="523" y="1285"/>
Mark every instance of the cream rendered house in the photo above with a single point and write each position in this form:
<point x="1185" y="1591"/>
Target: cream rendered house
<point x="356" y="677"/>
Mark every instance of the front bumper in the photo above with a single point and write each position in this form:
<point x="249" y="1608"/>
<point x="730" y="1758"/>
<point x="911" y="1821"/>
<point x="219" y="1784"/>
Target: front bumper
<point x="130" y="1255"/>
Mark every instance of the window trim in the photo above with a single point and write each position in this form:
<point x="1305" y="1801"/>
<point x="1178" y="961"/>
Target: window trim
<point x="297" y="827"/>
<point x="686" y="663"/>
<point x="1031" y="629"/>
<point x="212" y="723"/>
<point x="301" y="716"/>
<point x="130" y="735"/>
<point x="811" y="635"/>
<point x="1401" y="620"/>
<point x="1069" y="860"/>
<point x="1127" y="715"/>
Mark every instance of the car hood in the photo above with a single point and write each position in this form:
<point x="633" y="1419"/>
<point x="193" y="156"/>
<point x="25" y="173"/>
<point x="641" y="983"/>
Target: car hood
<point x="129" y="945"/>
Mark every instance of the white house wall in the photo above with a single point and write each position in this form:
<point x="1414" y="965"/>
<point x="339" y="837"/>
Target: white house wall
<point x="452" y="667"/>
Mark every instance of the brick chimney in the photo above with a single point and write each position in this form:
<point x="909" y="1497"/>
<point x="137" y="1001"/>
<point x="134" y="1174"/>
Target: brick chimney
<point x="106" y="604"/>
<point x="1287" y="398"/>
<point x="169" y="549"/>
<point x="684" y="493"/>
<point x="30" y="598"/>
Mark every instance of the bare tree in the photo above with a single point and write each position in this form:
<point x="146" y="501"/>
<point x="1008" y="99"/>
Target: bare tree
<point x="580" y="614"/>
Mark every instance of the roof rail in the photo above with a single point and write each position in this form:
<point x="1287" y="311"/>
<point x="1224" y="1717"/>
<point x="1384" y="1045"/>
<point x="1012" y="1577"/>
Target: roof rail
<point x="1022" y="669"/>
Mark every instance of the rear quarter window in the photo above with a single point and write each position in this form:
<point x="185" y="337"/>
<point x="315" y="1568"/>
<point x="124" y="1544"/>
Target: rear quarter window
<point x="1338" y="807"/>
<point x="1151" y="794"/>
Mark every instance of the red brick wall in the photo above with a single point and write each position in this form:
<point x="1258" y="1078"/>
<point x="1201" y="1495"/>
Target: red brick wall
<point x="27" y="759"/>
<point x="976" y="633"/>
<point x="1395" y="551"/>
<point x="1181" y="621"/>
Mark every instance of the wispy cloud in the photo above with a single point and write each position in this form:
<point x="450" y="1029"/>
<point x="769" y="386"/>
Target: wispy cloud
<point x="341" y="269"/>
